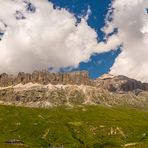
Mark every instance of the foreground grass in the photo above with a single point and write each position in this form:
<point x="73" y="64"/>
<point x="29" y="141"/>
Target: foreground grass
<point x="87" y="126"/>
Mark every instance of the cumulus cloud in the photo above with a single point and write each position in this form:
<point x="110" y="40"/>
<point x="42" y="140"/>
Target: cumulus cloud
<point x="131" y="19"/>
<point x="34" y="35"/>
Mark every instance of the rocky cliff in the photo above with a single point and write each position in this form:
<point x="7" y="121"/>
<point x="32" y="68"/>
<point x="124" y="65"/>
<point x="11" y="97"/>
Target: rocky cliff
<point x="44" y="77"/>
<point x="43" y="89"/>
<point x="120" y="84"/>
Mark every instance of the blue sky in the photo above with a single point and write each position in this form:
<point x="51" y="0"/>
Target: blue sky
<point x="98" y="63"/>
<point x="52" y="39"/>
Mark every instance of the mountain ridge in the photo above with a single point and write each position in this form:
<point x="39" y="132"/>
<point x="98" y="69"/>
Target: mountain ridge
<point x="44" y="89"/>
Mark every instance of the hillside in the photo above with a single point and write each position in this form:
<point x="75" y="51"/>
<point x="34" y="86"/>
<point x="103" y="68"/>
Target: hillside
<point x="78" y="127"/>
<point x="72" y="111"/>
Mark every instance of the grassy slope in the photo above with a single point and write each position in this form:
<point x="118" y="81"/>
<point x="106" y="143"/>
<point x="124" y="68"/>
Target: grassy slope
<point x="89" y="126"/>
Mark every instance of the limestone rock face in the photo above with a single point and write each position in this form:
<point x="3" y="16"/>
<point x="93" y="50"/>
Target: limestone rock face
<point x="23" y="78"/>
<point x="6" y="80"/>
<point x="38" y="95"/>
<point x="44" y="77"/>
<point x="44" y="89"/>
<point x="40" y="77"/>
<point x="117" y="84"/>
<point x="120" y="84"/>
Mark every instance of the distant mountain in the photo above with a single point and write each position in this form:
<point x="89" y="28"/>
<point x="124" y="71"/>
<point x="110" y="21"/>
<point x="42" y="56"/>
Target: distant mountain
<point x="44" y="89"/>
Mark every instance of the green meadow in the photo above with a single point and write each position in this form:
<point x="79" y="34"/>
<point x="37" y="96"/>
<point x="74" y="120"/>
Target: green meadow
<point x="77" y="127"/>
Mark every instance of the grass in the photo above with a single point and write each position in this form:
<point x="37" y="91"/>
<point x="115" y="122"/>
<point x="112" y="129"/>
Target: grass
<point x="78" y="127"/>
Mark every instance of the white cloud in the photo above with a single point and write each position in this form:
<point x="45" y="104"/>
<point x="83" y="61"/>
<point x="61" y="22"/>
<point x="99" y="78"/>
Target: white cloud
<point x="44" y="38"/>
<point x="131" y="19"/>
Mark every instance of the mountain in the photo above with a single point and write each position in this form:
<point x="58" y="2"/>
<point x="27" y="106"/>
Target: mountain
<point x="44" y="89"/>
<point x="105" y="112"/>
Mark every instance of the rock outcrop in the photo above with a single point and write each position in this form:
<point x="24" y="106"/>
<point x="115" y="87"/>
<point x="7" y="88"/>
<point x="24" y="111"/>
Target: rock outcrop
<point x="121" y="84"/>
<point x="38" y="95"/>
<point x="44" y="77"/>
<point x="44" y="89"/>
<point x="117" y="84"/>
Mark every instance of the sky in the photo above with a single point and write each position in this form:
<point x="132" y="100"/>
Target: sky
<point x="100" y="36"/>
<point x="98" y="64"/>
